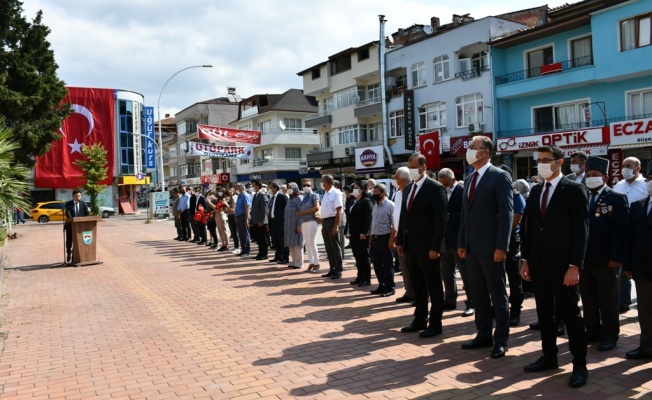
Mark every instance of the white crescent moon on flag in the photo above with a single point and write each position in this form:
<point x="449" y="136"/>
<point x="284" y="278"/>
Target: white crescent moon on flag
<point x="79" y="109"/>
<point x="428" y="141"/>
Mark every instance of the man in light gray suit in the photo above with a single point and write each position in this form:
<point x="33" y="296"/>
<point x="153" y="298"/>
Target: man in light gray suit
<point x="259" y="220"/>
<point x="485" y="228"/>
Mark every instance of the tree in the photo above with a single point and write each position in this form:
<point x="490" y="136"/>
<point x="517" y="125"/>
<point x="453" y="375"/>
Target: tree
<point x="13" y="176"/>
<point x="30" y="90"/>
<point x="94" y="168"/>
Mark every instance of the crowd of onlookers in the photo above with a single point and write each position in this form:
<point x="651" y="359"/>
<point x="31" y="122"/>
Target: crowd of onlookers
<point x="564" y="239"/>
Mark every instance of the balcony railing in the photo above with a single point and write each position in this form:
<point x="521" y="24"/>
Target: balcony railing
<point x="544" y="70"/>
<point x="322" y="113"/>
<point x="249" y="112"/>
<point x="472" y="73"/>
<point x="276" y="162"/>
<point x="367" y="102"/>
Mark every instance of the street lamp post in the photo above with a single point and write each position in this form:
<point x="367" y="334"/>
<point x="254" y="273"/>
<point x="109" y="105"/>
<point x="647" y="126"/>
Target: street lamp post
<point x="160" y="132"/>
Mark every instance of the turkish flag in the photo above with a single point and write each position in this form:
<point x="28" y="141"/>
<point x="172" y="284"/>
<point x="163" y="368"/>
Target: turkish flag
<point x="91" y="122"/>
<point x="429" y="147"/>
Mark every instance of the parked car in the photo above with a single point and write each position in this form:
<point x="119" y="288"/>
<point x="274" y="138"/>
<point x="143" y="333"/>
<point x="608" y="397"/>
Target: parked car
<point x="105" y="211"/>
<point x="49" y="211"/>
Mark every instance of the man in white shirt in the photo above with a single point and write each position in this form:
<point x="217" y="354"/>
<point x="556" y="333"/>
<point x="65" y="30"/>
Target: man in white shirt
<point x="402" y="179"/>
<point x="331" y="212"/>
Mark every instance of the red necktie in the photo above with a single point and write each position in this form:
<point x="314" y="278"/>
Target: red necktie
<point x="414" y="191"/>
<point x="544" y="200"/>
<point x="472" y="187"/>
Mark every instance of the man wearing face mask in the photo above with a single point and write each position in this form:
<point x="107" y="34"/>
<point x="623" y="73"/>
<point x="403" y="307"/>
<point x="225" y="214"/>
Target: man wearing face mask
<point x="380" y="251"/>
<point x="552" y="254"/>
<point x="400" y="181"/>
<point x="578" y="160"/>
<point x="633" y="186"/>
<point x="420" y="233"/>
<point x="483" y="240"/>
<point x="608" y="226"/>
<point x="331" y="212"/>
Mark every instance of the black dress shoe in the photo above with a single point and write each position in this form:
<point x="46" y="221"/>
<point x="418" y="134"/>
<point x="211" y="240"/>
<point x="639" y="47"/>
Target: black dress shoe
<point x="623" y="309"/>
<point x="261" y="258"/>
<point x="638" y="354"/>
<point x="430" y="332"/>
<point x="178" y="238"/>
<point x="514" y="321"/>
<point x="328" y="275"/>
<point x="355" y="281"/>
<point x="414" y="327"/>
<point x="294" y="267"/>
<point x="607" y="344"/>
<point x="378" y="290"/>
<point x="387" y="293"/>
<point x="194" y="240"/>
<point x="404" y="299"/>
<point x="542" y="364"/>
<point x="273" y="260"/>
<point x="498" y="351"/>
<point x="336" y="275"/>
<point x="478" y="343"/>
<point x="468" y="312"/>
<point x="69" y="258"/>
<point x="535" y="326"/>
<point x="560" y="330"/>
<point x="579" y="376"/>
<point x="364" y="283"/>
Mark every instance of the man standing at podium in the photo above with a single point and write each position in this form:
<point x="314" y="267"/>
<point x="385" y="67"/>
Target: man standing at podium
<point x="74" y="208"/>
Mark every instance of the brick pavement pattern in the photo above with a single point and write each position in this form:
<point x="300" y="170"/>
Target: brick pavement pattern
<point x="162" y="319"/>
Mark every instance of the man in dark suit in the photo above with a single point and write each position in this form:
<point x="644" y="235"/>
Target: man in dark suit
<point x="578" y="167"/>
<point x="74" y="208"/>
<point x="552" y="255"/>
<point x="420" y="234"/>
<point x="277" y="204"/>
<point x="449" y="256"/>
<point x="200" y="203"/>
<point x="359" y="225"/>
<point x="638" y="265"/>
<point x="259" y="220"/>
<point x="608" y="228"/>
<point x="191" y="215"/>
<point x="485" y="228"/>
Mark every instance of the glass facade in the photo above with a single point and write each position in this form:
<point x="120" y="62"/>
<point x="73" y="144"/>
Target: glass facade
<point x="131" y="117"/>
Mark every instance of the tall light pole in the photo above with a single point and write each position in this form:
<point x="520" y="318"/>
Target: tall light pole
<point x="160" y="132"/>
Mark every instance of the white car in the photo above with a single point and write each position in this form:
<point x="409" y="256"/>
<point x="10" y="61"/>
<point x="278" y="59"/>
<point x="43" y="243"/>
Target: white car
<point x="106" y="211"/>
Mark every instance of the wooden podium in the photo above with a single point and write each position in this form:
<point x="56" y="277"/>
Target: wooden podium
<point x="84" y="239"/>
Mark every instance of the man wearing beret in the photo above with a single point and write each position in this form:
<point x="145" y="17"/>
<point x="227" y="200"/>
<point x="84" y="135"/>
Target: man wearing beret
<point x="608" y="226"/>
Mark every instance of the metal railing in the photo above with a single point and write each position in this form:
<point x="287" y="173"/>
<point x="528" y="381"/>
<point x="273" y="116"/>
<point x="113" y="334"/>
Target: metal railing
<point x="542" y="70"/>
<point x="472" y="73"/>
<point x="322" y="113"/>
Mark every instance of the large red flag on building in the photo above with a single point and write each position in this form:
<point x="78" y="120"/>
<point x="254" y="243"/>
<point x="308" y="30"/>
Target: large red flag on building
<point x="91" y="122"/>
<point x="429" y="147"/>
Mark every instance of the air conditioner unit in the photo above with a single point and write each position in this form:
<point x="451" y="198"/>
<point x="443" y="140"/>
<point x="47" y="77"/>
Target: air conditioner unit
<point x="349" y="151"/>
<point x="475" y="128"/>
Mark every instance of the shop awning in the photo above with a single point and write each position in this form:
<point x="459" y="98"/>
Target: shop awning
<point x="629" y="146"/>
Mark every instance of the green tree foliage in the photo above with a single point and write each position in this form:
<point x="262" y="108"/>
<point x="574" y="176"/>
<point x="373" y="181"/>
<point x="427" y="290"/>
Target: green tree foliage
<point x="94" y="166"/>
<point x="30" y="91"/>
<point x="13" y="176"/>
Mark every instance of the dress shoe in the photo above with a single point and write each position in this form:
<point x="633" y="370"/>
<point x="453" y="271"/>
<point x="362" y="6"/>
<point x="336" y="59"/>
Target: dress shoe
<point x="223" y="248"/>
<point x="468" y="312"/>
<point x="387" y="293"/>
<point x="638" y="354"/>
<point x="243" y="254"/>
<point x="355" y="281"/>
<point x="478" y="343"/>
<point x="535" y="326"/>
<point x="498" y="351"/>
<point x="377" y="290"/>
<point x="414" y="327"/>
<point x="178" y="238"/>
<point x="560" y="329"/>
<point x="336" y="275"/>
<point x="404" y="299"/>
<point x="542" y="364"/>
<point x="273" y="260"/>
<point x="607" y="344"/>
<point x="449" y="306"/>
<point x="514" y="321"/>
<point x="430" y="332"/>
<point x="194" y="240"/>
<point x="328" y="275"/>
<point x="579" y="376"/>
<point x="261" y="258"/>
<point x="623" y="309"/>
<point x="364" y="283"/>
<point x="69" y="258"/>
<point x="294" y="267"/>
<point x="283" y="261"/>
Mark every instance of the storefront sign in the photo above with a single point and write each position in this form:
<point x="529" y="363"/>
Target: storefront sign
<point x="150" y="147"/>
<point x="369" y="160"/>
<point x="408" y="119"/>
<point x="319" y="159"/>
<point x="615" y="165"/>
<point x="344" y="160"/>
<point x="215" y="151"/>
<point x="567" y="138"/>
<point x="638" y="131"/>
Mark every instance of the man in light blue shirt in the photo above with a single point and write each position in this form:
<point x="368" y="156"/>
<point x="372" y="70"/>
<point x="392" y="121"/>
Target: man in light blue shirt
<point x="242" y="209"/>
<point x="183" y="215"/>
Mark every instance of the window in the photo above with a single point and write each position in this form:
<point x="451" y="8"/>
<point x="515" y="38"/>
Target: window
<point x="396" y="124"/>
<point x="348" y="134"/>
<point x="265" y="127"/>
<point x="183" y="169"/>
<point x="373" y="93"/>
<point x="126" y="117"/>
<point x="327" y="105"/>
<point x="327" y="140"/>
<point x="479" y="62"/>
<point x="639" y="104"/>
<point x="418" y="74"/>
<point x="538" y="58"/>
<point x="363" y="54"/>
<point x="401" y="80"/>
<point x="208" y="165"/>
<point x="469" y="110"/>
<point x="348" y="97"/>
<point x="173" y="170"/>
<point x="373" y="132"/>
<point x="172" y="152"/>
<point x="316" y="73"/>
<point x="560" y="117"/>
<point x="267" y="154"/>
<point x="431" y="117"/>
<point x="292" y="124"/>
<point x="191" y="126"/>
<point x="442" y="68"/>
<point x="203" y="119"/>
<point x="581" y="52"/>
<point x="293" y="152"/>
<point x="340" y="64"/>
<point x="635" y="32"/>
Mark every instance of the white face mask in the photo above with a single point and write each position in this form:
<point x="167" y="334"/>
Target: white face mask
<point x="594" y="182"/>
<point x="414" y="174"/>
<point x="649" y="188"/>
<point x="356" y="192"/>
<point x="575" y="168"/>
<point x="472" y="156"/>
<point x="290" y="192"/>
<point x="220" y="193"/>
<point x="628" y="173"/>
<point x="395" y="183"/>
<point x="306" y="189"/>
<point x="545" y="170"/>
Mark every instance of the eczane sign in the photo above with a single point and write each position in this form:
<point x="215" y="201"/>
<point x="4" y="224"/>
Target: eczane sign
<point x="635" y="131"/>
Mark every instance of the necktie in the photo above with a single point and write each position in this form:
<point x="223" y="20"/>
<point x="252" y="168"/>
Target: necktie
<point x="472" y="187"/>
<point x="412" y="194"/>
<point x="544" y="200"/>
<point x="594" y="197"/>
<point x="77" y="209"/>
<point x="271" y="208"/>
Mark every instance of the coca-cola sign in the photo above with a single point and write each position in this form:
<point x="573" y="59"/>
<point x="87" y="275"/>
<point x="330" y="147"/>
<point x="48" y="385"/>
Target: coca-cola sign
<point x="227" y="134"/>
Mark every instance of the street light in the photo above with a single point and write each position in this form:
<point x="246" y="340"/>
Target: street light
<point x="160" y="132"/>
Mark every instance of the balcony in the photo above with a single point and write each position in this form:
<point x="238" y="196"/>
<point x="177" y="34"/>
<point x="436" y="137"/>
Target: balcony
<point x="272" y="164"/>
<point x="249" y="112"/>
<point x="472" y="73"/>
<point x="321" y="118"/>
<point x="368" y="108"/>
<point x="394" y="92"/>
<point x="290" y="136"/>
<point x="543" y="70"/>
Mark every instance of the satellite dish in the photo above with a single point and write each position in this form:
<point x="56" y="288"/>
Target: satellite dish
<point x="427" y="29"/>
<point x="281" y="124"/>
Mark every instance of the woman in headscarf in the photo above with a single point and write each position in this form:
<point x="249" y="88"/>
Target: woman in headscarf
<point x="292" y="236"/>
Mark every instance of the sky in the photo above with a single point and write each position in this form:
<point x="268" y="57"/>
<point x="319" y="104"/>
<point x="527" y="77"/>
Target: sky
<point x="255" y="46"/>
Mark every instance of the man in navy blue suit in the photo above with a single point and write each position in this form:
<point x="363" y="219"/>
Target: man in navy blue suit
<point x="608" y="226"/>
<point x="485" y="228"/>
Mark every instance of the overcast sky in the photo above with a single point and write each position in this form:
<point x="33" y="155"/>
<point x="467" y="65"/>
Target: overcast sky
<point x="256" y="46"/>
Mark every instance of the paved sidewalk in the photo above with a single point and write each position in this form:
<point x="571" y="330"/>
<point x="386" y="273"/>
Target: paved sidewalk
<point x="162" y="319"/>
